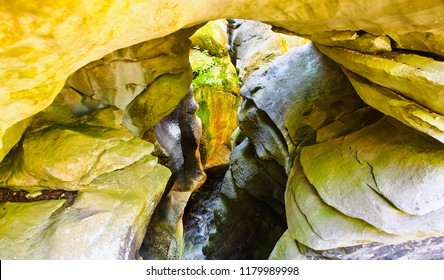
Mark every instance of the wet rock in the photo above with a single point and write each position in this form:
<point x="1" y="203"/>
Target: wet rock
<point x="216" y="90"/>
<point x="164" y="238"/>
<point x="21" y="226"/>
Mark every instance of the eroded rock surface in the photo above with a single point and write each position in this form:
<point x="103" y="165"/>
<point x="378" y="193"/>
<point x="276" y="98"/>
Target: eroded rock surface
<point x="300" y="118"/>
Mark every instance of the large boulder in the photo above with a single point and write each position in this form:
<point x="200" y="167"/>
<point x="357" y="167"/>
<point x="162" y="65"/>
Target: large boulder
<point x="118" y="185"/>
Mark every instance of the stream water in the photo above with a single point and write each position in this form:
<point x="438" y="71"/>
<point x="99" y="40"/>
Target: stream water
<point x="198" y="217"/>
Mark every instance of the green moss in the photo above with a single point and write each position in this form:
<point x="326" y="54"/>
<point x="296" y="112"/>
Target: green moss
<point x="212" y="71"/>
<point x="211" y="38"/>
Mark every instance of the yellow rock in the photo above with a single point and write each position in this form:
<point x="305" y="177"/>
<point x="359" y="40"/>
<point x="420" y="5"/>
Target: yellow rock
<point x="41" y="43"/>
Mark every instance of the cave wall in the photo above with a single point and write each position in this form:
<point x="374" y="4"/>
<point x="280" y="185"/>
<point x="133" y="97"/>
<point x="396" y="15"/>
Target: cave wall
<point x="93" y="55"/>
<point x="41" y="47"/>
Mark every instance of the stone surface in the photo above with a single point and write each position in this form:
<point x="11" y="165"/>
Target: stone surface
<point x="216" y="90"/>
<point x="386" y="174"/>
<point x="164" y="239"/>
<point x="70" y="156"/>
<point x="399" y="107"/>
<point x="106" y="221"/>
<point x="119" y="77"/>
<point x="246" y="228"/>
<point x="360" y="41"/>
<point x="328" y="223"/>
<point x="416" y="77"/>
<point x="42" y="46"/>
<point x="21" y="225"/>
<point x="269" y="144"/>
<point x="253" y="45"/>
<point x="109" y="221"/>
<point x="300" y="102"/>
<point x="286" y="249"/>
<point x="426" y="249"/>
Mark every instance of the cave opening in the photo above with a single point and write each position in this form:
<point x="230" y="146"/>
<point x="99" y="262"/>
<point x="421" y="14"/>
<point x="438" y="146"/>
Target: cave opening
<point x="284" y="148"/>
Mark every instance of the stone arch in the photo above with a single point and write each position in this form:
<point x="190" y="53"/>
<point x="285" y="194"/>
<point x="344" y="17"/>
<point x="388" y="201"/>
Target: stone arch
<point x="353" y="34"/>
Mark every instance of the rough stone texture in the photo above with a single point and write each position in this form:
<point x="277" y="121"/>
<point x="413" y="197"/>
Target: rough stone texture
<point x="269" y="144"/>
<point x="386" y="174"/>
<point x="286" y="249"/>
<point x="246" y="228"/>
<point x="164" y="239"/>
<point x="426" y="249"/>
<point x="119" y="77"/>
<point x="108" y="221"/>
<point x="253" y="45"/>
<point x="42" y="46"/>
<point x="216" y="90"/>
<point x="301" y="92"/>
<point x="399" y="107"/>
<point x="416" y="77"/>
<point x="284" y="105"/>
<point x="21" y="225"/>
<point x="70" y="156"/>
<point x="355" y="40"/>
<point x="119" y="184"/>
<point x="326" y="222"/>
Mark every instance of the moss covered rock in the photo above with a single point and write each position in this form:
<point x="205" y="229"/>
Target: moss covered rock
<point x="216" y="90"/>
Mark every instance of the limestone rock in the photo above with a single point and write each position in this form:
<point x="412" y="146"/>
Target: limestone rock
<point x="17" y="110"/>
<point x="370" y="175"/>
<point x="164" y="239"/>
<point x="268" y="142"/>
<point x="348" y="123"/>
<point x="263" y="180"/>
<point x="359" y="41"/>
<point x="108" y="221"/>
<point x="416" y="77"/>
<point x="301" y="102"/>
<point x="212" y="37"/>
<point x="399" y="107"/>
<point x="253" y="45"/>
<point x="246" y="228"/>
<point x="328" y="223"/>
<point x="216" y="90"/>
<point x="43" y="44"/>
<point x="70" y="156"/>
<point x="117" y="78"/>
<point x="424" y="249"/>
<point x="286" y="249"/>
<point x="22" y="224"/>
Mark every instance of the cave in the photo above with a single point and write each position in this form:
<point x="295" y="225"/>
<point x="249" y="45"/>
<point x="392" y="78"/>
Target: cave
<point x="247" y="130"/>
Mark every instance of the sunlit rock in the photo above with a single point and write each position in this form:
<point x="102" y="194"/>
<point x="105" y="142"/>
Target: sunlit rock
<point x="216" y="90"/>
<point x="386" y="174"/>
<point x="70" y="156"/>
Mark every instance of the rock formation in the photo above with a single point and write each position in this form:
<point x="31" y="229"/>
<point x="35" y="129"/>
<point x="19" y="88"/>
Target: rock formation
<point x="338" y="151"/>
